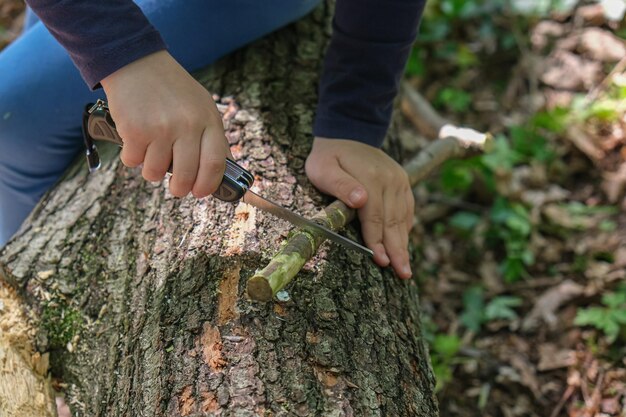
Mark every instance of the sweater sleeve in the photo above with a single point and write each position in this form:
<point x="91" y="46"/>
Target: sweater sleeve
<point x="364" y="62"/>
<point x="100" y="36"/>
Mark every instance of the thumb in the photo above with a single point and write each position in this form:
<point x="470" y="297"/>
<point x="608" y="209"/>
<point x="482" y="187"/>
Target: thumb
<point x="335" y="181"/>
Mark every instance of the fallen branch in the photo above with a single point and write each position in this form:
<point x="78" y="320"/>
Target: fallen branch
<point x="455" y="142"/>
<point x="420" y="112"/>
<point x="440" y="151"/>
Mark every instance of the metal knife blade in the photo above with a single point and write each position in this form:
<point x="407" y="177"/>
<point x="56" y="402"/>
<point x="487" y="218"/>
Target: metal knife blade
<point x="266" y="205"/>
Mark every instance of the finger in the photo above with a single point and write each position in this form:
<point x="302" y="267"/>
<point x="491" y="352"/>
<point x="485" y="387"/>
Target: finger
<point x="332" y="179"/>
<point x="157" y="160"/>
<point x="395" y="235"/>
<point x="133" y="154"/>
<point x="410" y="209"/>
<point x="372" y="216"/>
<point x="213" y="152"/>
<point x="186" y="156"/>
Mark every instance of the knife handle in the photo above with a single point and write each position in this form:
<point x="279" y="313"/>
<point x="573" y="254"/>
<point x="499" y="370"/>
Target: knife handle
<point x="99" y="125"/>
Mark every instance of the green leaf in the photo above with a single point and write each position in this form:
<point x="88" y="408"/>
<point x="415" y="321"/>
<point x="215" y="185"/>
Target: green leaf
<point x="464" y="220"/>
<point x="455" y="100"/>
<point x="607" y="225"/>
<point x="518" y="224"/>
<point x="465" y="58"/>
<point x="614" y="300"/>
<point x="512" y="269"/>
<point x="581" y="209"/>
<point x="593" y="316"/>
<point x="611" y="329"/>
<point x="473" y="314"/>
<point x="606" y="110"/>
<point x="500" y="308"/>
<point x="456" y="176"/>
<point x="415" y="64"/>
<point x="555" y="120"/>
<point x="501" y="157"/>
<point x="620" y="315"/>
<point x="528" y="257"/>
<point x="447" y="346"/>
<point x="433" y="30"/>
<point x="452" y="8"/>
<point x="514" y="216"/>
<point x="443" y="374"/>
<point x="531" y="145"/>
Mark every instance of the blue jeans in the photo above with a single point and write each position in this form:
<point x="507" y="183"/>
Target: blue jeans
<point x="42" y="94"/>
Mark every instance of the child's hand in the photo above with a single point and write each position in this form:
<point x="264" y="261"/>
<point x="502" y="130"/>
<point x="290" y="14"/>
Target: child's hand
<point x="367" y="179"/>
<point x="164" y="115"/>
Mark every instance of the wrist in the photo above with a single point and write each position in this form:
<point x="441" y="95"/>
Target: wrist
<point x="129" y="71"/>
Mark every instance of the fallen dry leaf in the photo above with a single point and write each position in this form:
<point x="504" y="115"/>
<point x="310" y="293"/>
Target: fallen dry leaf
<point x="584" y="142"/>
<point x="560" y="215"/>
<point x="614" y="184"/>
<point x="527" y="374"/>
<point x="596" y="44"/>
<point x="591" y="14"/>
<point x="549" y="302"/>
<point x="568" y="71"/>
<point x="545" y="32"/>
<point x="551" y="357"/>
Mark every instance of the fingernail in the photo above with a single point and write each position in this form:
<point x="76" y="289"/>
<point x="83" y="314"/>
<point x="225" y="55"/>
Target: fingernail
<point x="356" y="196"/>
<point x="385" y="258"/>
<point x="406" y="270"/>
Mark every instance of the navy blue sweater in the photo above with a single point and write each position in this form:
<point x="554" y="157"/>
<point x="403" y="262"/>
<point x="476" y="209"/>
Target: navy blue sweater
<point x="369" y="47"/>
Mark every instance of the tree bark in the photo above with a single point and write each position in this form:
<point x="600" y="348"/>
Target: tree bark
<point x="141" y="296"/>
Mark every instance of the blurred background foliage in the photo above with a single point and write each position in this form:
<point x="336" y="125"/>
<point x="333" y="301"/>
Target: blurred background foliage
<point x="521" y="251"/>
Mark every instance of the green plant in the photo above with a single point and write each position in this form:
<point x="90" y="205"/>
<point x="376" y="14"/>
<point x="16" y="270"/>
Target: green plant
<point x="608" y="107"/>
<point x="511" y="226"/>
<point x="444" y="350"/>
<point x="61" y="323"/>
<point x="465" y="221"/>
<point x="455" y="100"/>
<point x="473" y="315"/>
<point x="610" y="319"/>
<point x="476" y="312"/>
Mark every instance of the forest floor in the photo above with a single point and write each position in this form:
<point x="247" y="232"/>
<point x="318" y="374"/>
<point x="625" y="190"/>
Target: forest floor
<point x="521" y="252"/>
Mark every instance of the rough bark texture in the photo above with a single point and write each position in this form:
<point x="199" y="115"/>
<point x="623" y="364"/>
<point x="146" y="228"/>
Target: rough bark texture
<point x="143" y="307"/>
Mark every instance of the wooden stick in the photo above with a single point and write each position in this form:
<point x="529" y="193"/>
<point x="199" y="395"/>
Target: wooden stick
<point x="420" y="112"/>
<point x="298" y="250"/>
<point x="455" y="142"/>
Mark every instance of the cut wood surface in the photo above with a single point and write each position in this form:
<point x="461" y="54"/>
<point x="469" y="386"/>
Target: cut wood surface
<point x="25" y="389"/>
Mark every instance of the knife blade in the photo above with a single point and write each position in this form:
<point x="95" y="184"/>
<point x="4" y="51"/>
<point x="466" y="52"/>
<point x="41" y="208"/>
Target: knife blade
<point x="266" y="205"/>
<point x="99" y="125"/>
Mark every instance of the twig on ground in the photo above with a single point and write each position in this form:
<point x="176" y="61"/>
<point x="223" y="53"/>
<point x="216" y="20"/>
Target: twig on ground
<point x="593" y="94"/>
<point x="420" y="112"/>
<point x="566" y="395"/>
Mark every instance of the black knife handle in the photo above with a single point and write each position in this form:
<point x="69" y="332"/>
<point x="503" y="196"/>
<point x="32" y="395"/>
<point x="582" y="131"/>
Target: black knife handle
<point x="99" y="125"/>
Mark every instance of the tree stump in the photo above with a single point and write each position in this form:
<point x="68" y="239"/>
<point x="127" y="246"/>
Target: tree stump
<point x="141" y="296"/>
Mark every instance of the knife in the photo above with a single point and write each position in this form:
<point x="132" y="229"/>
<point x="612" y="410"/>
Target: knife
<point x="99" y="125"/>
